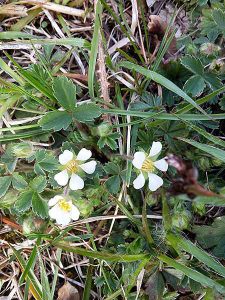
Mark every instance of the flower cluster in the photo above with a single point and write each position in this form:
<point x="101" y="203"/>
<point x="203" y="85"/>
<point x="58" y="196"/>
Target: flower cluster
<point x="72" y="167"/>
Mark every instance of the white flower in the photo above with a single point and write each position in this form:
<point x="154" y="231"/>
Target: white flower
<point x="62" y="210"/>
<point x="72" y="165"/>
<point x="147" y="166"/>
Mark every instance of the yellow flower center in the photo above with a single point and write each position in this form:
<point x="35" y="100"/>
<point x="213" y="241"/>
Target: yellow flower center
<point x="148" y="165"/>
<point x="64" y="205"/>
<point x="72" y="166"/>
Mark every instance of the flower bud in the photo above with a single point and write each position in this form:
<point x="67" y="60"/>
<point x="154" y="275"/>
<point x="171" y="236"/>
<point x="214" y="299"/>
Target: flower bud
<point x="210" y="49"/>
<point x="22" y="150"/>
<point x="218" y="66"/>
<point x="181" y="219"/>
<point x="103" y="129"/>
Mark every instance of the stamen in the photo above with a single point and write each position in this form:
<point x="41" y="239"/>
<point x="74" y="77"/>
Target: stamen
<point x="64" y="205"/>
<point x="72" y="166"/>
<point x="148" y="165"/>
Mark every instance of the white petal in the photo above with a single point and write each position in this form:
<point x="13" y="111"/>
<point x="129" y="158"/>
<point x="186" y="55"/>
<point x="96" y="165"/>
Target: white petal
<point x="65" y="157"/>
<point x="161" y="164"/>
<point x="74" y="214"/>
<point x="76" y="182"/>
<point x="64" y="218"/>
<point x="55" y="212"/>
<point x="154" y="182"/>
<point x="62" y="178"/>
<point x="139" y="158"/>
<point x="89" y="167"/>
<point x="84" y="154"/>
<point x="54" y="200"/>
<point x="155" y="149"/>
<point x="139" y="182"/>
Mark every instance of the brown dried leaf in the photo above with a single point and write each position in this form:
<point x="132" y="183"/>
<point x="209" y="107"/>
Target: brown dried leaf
<point x="68" y="292"/>
<point x="157" y="26"/>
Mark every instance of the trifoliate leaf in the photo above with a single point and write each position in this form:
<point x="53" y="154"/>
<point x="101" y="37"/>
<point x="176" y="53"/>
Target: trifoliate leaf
<point x="18" y="182"/>
<point x="193" y="64"/>
<point x="113" y="184"/>
<point x="86" y="112"/>
<point x="23" y="203"/>
<point x="38" y="184"/>
<point x="212" y="80"/>
<point x="56" y="120"/>
<point x="194" y="85"/>
<point x="65" y="92"/>
<point x="4" y="184"/>
<point x="39" y="206"/>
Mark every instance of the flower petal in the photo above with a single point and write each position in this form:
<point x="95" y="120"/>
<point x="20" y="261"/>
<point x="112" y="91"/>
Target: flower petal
<point x="74" y="213"/>
<point x="65" y="157"/>
<point x="154" y="182"/>
<point x="62" y="178"/>
<point x="76" y="182"/>
<point x="84" y="154"/>
<point x="139" y="158"/>
<point x="89" y="167"/>
<point x="54" y="200"/>
<point x="54" y="212"/>
<point x="161" y="164"/>
<point x="155" y="149"/>
<point x="139" y="182"/>
<point x="64" y="218"/>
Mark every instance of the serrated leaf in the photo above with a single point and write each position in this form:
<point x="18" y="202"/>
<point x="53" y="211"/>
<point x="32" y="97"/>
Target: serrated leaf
<point x="45" y="161"/>
<point x="213" y="81"/>
<point x="65" y="92"/>
<point x="23" y="203"/>
<point x="39" y="206"/>
<point x="56" y="120"/>
<point x="86" y="112"/>
<point x="38" y="184"/>
<point x="112" y="168"/>
<point x="113" y="184"/>
<point x="194" y="85"/>
<point x="219" y="17"/>
<point x="4" y="184"/>
<point x="193" y="64"/>
<point x="18" y="182"/>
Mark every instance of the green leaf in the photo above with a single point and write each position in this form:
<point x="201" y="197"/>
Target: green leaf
<point x="18" y="182"/>
<point x="181" y="243"/>
<point x="56" y="120"/>
<point x="213" y="81"/>
<point x="65" y="92"/>
<point x="216" y="152"/>
<point x="86" y="112"/>
<point x="219" y="17"/>
<point x="45" y="161"/>
<point x="193" y="64"/>
<point x="162" y="81"/>
<point x="212" y="200"/>
<point x="195" y="275"/>
<point x="4" y="184"/>
<point x="194" y="85"/>
<point x="39" y="206"/>
<point x="113" y="184"/>
<point x="23" y="203"/>
<point x="112" y="168"/>
<point x="38" y="184"/>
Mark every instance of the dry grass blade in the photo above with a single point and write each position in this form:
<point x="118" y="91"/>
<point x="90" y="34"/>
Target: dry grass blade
<point x="13" y="10"/>
<point x="59" y="8"/>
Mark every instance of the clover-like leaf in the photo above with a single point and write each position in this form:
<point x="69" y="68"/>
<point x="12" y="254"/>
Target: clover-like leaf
<point x="39" y="206"/>
<point x="23" y="203"/>
<point x="4" y="184"/>
<point x="18" y="182"/>
<point x="86" y="112"/>
<point x="38" y="184"/>
<point x="56" y="120"/>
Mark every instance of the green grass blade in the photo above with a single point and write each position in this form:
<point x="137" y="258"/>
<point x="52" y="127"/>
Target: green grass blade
<point x="46" y="291"/>
<point x="101" y="255"/>
<point x="180" y="243"/>
<point x="195" y="275"/>
<point x="162" y="81"/>
<point x="10" y="72"/>
<point x="10" y="35"/>
<point x="213" y="151"/>
<point x="94" y="49"/>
